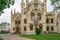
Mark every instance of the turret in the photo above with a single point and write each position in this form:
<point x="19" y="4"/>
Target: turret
<point x="27" y="2"/>
<point x="22" y="6"/>
<point x="45" y="6"/>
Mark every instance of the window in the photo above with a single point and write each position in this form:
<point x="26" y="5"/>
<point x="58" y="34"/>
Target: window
<point x="40" y="26"/>
<point x="35" y="4"/>
<point x="52" y="29"/>
<point x="52" y="20"/>
<point x="17" y="22"/>
<point x="39" y="16"/>
<point x="47" y="20"/>
<point x="47" y="28"/>
<point x="24" y="28"/>
<point x="32" y="16"/>
<point x="13" y="29"/>
<point x="31" y="26"/>
<point x="25" y="21"/>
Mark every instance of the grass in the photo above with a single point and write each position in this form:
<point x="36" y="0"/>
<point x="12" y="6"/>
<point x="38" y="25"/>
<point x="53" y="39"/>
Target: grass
<point x="43" y="36"/>
<point x="1" y="38"/>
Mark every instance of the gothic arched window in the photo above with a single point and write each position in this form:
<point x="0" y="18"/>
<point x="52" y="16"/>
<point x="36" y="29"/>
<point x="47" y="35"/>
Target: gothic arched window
<point x="31" y="26"/>
<point x="24" y="28"/>
<point x="39" y="16"/>
<point x="51" y="20"/>
<point x="32" y="16"/>
<point x="52" y="28"/>
<point x="47" y="28"/>
<point x="47" y="20"/>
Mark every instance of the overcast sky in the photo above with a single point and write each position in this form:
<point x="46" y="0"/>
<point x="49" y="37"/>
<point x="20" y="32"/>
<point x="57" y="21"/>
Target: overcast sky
<point x="5" y="17"/>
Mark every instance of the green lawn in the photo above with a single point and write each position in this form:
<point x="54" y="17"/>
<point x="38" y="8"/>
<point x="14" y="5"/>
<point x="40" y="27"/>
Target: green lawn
<point x="1" y="38"/>
<point x="43" y="36"/>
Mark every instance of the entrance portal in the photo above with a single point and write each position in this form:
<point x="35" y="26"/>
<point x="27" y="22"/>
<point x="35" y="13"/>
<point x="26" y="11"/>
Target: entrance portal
<point x="18" y="30"/>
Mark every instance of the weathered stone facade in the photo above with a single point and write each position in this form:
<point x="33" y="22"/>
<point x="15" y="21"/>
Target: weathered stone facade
<point x="34" y="14"/>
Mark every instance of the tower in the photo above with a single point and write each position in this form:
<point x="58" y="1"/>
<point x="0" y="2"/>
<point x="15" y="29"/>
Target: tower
<point x="44" y="16"/>
<point x="44" y="6"/>
<point x="22" y="6"/>
<point x="27" y="2"/>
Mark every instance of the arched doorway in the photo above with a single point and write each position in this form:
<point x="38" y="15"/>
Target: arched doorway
<point x="18" y="29"/>
<point x="40" y="26"/>
<point x="31" y="27"/>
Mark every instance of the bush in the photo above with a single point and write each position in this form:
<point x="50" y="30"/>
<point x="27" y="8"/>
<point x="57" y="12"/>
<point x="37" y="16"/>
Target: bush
<point x="37" y="30"/>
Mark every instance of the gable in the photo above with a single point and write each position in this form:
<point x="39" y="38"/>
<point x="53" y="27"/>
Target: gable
<point x="35" y="5"/>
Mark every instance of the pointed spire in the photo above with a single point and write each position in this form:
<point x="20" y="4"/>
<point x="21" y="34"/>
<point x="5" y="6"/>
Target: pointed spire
<point x="22" y="6"/>
<point x="11" y="12"/>
<point x="14" y="11"/>
<point x="27" y="2"/>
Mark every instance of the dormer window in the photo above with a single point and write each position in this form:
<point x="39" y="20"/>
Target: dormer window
<point x="35" y="4"/>
<point x="17" y="22"/>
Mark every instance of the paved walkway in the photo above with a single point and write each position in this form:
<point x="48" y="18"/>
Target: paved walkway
<point x="12" y="37"/>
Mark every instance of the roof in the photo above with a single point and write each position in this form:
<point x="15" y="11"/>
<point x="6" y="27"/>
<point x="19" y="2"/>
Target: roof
<point x="50" y="13"/>
<point x="16" y="14"/>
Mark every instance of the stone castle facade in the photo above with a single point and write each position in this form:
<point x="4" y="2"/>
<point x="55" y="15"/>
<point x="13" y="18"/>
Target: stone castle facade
<point x="34" y="15"/>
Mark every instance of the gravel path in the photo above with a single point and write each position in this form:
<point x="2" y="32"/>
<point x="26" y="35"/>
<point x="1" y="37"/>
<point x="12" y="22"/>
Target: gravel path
<point x="12" y="37"/>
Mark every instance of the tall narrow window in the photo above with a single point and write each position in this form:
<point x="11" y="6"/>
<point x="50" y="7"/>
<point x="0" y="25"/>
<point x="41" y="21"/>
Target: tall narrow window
<point x="13" y="29"/>
<point x="52" y="29"/>
<point x="31" y="26"/>
<point x="47" y="20"/>
<point x="32" y="16"/>
<point x="39" y="16"/>
<point x="25" y="21"/>
<point x="52" y="20"/>
<point x="47" y="28"/>
<point x="24" y="28"/>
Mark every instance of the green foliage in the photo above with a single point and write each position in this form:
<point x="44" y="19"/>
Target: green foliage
<point x="1" y="38"/>
<point x="4" y="24"/>
<point x="53" y="3"/>
<point x="5" y="4"/>
<point x="37" y="30"/>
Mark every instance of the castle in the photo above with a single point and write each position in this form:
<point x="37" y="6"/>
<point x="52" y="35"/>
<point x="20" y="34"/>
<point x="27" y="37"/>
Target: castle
<point x="34" y="15"/>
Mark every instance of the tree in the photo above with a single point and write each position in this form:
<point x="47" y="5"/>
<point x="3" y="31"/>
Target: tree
<point x="4" y="24"/>
<point x="56" y="3"/>
<point x="5" y="4"/>
<point x="37" y="30"/>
